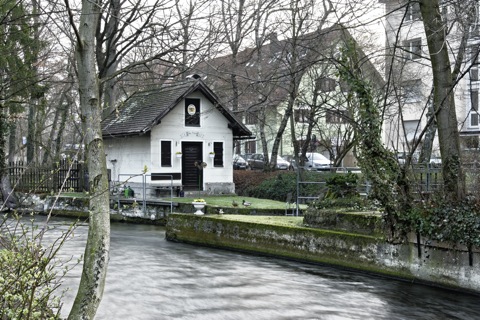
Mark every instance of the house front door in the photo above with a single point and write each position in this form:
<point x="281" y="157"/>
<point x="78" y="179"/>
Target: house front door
<point x="192" y="174"/>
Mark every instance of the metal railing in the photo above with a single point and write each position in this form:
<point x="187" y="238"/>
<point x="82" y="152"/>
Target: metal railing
<point x="144" y="188"/>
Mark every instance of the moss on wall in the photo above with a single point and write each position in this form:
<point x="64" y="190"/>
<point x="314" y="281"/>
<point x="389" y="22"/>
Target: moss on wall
<point x="343" y="249"/>
<point x="370" y="223"/>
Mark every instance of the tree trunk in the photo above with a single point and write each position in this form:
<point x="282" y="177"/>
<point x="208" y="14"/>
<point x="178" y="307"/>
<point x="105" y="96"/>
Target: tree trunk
<point x="96" y="257"/>
<point x="443" y="100"/>
<point x="32" y="117"/>
<point x="427" y="146"/>
<point x="9" y="199"/>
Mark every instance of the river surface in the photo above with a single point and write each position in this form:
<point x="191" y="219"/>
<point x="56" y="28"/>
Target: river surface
<point x="150" y="278"/>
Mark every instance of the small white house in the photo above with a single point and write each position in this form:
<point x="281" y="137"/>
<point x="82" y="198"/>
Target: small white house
<point x="179" y="133"/>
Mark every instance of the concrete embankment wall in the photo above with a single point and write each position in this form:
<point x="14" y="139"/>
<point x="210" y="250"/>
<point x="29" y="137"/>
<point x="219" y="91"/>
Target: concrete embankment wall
<point x="435" y="265"/>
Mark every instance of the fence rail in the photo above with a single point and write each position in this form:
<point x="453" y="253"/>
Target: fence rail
<point x="65" y="175"/>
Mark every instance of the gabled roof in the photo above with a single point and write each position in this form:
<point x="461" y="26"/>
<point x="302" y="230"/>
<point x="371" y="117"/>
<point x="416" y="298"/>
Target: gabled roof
<point x="143" y="110"/>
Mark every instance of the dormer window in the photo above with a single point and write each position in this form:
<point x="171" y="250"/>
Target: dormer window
<point x="192" y="112"/>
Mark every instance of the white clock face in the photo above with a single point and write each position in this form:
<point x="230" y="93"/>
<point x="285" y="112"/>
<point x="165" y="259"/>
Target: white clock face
<point x="191" y="109"/>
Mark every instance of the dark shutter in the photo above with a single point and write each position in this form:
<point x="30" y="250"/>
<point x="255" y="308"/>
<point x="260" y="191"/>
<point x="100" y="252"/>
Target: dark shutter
<point x="218" y="149"/>
<point x="166" y="153"/>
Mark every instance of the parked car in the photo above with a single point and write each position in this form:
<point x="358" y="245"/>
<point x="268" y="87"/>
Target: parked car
<point x="435" y="161"/>
<point x="256" y="162"/>
<point x="402" y="157"/>
<point x="317" y="161"/>
<point x="282" y="164"/>
<point x="239" y="163"/>
<point x="348" y="170"/>
<point x="247" y="156"/>
<point x="293" y="163"/>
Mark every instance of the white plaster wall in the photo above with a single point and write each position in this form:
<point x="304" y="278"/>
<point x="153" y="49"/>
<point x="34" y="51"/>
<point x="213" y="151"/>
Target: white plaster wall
<point x="422" y="69"/>
<point x="213" y="128"/>
<point x="132" y="154"/>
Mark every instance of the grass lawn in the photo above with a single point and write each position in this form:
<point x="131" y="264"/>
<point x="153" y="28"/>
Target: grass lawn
<point x="214" y="201"/>
<point x="226" y="201"/>
<point x="287" y="221"/>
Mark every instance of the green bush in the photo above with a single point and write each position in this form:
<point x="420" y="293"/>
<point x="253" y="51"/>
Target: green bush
<point x="246" y="180"/>
<point x="354" y="203"/>
<point x="276" y="185"/>
<point x="28" y="276"/>
<point x="342" y="185"/>
<point x="457" y="223"/>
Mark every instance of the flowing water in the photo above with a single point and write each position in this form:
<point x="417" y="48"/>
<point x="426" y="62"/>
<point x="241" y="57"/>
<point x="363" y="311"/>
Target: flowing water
<point x="150" y="278"/>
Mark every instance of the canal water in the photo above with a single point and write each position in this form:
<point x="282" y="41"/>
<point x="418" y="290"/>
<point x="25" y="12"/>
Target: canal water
<point x="150" y="278"/>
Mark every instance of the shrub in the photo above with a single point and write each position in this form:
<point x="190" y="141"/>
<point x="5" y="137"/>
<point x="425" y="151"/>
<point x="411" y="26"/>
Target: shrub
<point x="28" y="276"/>
<point x="457" y="223"/>
<point x="246" y="180"/>
<point x="342" y="185"/>
<point x="277" y="184"/>
<point x="276" y="187"/>
<point x="354" y="203"/>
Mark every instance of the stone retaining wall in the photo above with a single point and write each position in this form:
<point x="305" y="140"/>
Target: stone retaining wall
<point x="436" y="264"/>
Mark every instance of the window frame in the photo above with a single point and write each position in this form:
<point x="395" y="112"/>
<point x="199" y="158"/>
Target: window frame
<point x="166" y="153"/>
<point x="218" y="149"/>
<point x="250" y="146"/>
<point x="473" y="114"/>
<point x="301" y="115"/>
<point x="336" y="116"/>
<point x="413" y="49"/>
<point x="413" y="12"/>
<point x="251" y="117"/>
<point x="411" y="91"/>
<point x="192" y="119"/>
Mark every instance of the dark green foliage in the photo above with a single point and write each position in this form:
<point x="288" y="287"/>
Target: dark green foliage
<point x="389" y="185"/>
<point x="342" y="185"/>
<point x="276" y="185"/>
<point x="457" y="223"/>
<point x="355" y="203"/>
<point x="246" y="180"/>
<point x="275" y="188"/>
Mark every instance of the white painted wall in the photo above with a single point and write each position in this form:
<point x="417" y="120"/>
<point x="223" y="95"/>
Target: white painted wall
<point x="213" y="128"/>
<point x="132" y="154"/>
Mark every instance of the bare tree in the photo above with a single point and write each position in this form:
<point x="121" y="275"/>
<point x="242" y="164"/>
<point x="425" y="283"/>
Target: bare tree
<point x="443" y="99"/>
<point x="96" y="257"/>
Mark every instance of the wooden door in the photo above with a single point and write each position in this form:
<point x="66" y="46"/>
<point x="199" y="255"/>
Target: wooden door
<point x="192" y="176"/>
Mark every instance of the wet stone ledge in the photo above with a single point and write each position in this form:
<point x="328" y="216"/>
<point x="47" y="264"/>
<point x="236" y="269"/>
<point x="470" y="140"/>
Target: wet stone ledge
<point x="434" y="265"/>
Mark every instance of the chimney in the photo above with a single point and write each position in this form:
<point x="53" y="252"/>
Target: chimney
<point x="193" y="77"/>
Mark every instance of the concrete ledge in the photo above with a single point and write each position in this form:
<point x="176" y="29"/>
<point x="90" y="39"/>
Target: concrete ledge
<point x="370" y="223"/>
<point x="435" y="265"/>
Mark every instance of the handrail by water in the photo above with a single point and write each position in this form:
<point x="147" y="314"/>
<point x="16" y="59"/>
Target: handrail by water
<point x="144" y="188"/>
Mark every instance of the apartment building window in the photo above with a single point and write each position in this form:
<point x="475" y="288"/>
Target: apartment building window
<point x="218" y="158"/>
<point x="474" y="108"/>
<point x="413" y="49"/>
<point x="413" y="12"/>
<point x="474" y="73"/>
<point x="250" y="147"/>
<point x="336" y="116"/>
<point x="165" y="153"/>
<point x="301" y="115"/>
<point x="251" y="117"/>
<point x="411" y="91"/>
<point x="474" y="53"/>
<point x="325" y="84"/>
<point x="411" y="128"/>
